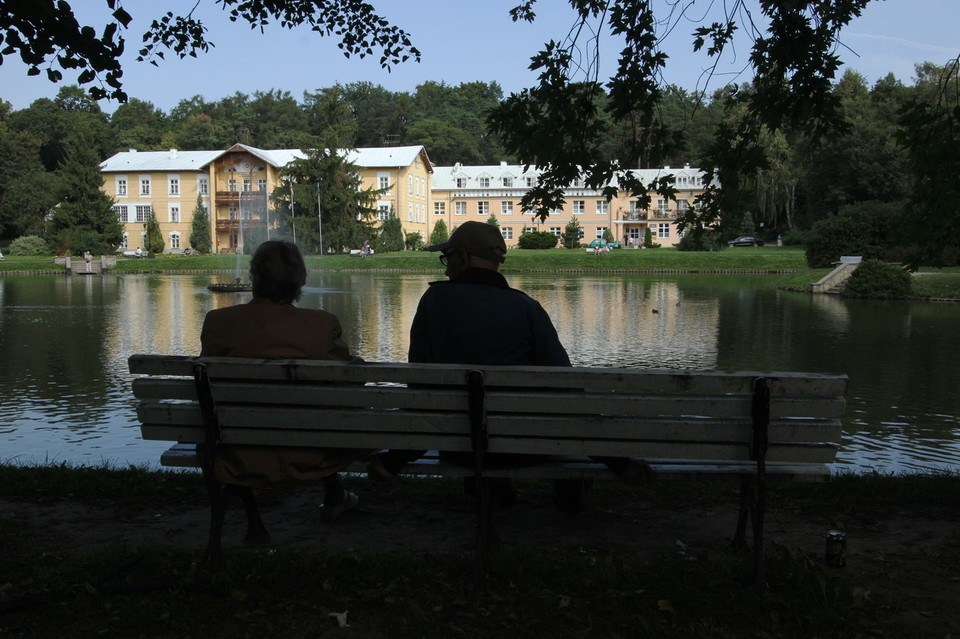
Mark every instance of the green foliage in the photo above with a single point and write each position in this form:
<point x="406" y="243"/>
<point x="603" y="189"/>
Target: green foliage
<point x="154" y="239"/>
<point x="537" y="240"/>
<point x="648" y="239"/>
<point x="796" y="237"/>
<point x="200" y="239"/>
<point x="493" y="221"/>
<point x="413" y="241"/>
<point x="28" y="245"/>
<point x="878" y="280"/>
<point x="696" y="240"/>
<point x="571" y="234"/>
<point x="84" y="220"/>
<point x="439" y="233"/>
<point x="867" y="229"/>
<point x="391" y="236"/>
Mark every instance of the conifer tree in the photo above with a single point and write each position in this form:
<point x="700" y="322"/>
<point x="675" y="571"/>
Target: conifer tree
<point x="200" y="229"/>
<point x="439" y="233"/>
<point x="154" y="236"/>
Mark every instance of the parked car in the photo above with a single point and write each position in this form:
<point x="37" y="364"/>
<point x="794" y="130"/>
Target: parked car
<point x="746" y="240"/>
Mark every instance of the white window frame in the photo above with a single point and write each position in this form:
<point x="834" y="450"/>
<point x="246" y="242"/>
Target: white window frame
<point x="173" y="185"/>
<point x="506" y="232"/>
<point x="556" y="230"/>
<point x="483" y="208"/>
<point x="122" y="211"/>
<point x="121" y="183"/>
<point x="600" y="231"/>
<point x="663" y="230"/>
<point x="262" y="185"/>
<point x="144" y="184"/>
<point x="460" y="208"/>
<point x="383" y="211"/>
<point x="383" y="182"/>
<point x="174" y="239"/>
<point x="247" y="185"/>
<point x="203" y="185"/>
<point x="142" y="213"/>
<point x="232" y="185"/>
<point x="483" y="182"/>
<point x="461" y="182"/>
<point x="507" y="181"/>
<point x="603" y="207"/>
<point x="506" y="207"/>
<point x="579" y="207"/>
<point x="439" y="208"/>
<point x="173" y="213"/>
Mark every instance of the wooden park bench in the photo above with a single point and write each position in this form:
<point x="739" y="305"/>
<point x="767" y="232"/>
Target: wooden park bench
<point x="746" y="426"/>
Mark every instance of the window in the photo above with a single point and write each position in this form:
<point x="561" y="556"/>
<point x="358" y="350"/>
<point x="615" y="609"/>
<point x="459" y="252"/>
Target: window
<point x="530" y="181"/>
<point x="663" y="230"/>
<point x="461" y="183"/>
<point x="579" y="207"/>
<point x="122" y="185"/>
<point x="439" y="208"/>
<point x="635" y="206"/>
<point x="461" y="208"/>
<point x="247" y="185"/>
<point x="175" y="213"/>
<point x="483" y="208"/>
<point x="529" y="229"/>
<point x="383" y="212"/>
<point x="556" y="211"/>
<point x="682" y="206"/>
<point x="262" y="185"/>
<point x="600" y="231"/>
<point x="410" y="184"/>
<point x="507" y="181"/>
<point x="555" y="230"/>
<point x="143" y="212"/>
<point x="174" y="240"/>
<point x="232" y="185"/>
<point x="144" y="185"/>
<point x="247" y="213"/>
<point x="123" y="242"/>
<point x="383" y="182"/>
<point x="603" y="207"/>
<point x="203" y="186"/>
<point x="484" y="182"/>
<point x="662" y="206"/>
<point x="232" y="213"/>
<point x="578" y="183"/>
<point x="506" y="208"/>
<point x="580" y="232"/>
<point x="506" y="232"/>
<point x="174" y="184"/>
<point x="121" y="211"/>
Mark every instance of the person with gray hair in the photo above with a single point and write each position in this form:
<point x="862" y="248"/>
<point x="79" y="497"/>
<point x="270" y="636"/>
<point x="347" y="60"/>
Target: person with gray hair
<point x="270" y="326"/>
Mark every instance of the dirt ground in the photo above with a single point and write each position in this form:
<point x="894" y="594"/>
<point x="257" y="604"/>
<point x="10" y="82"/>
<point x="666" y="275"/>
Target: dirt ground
<point x="914" y="560"/>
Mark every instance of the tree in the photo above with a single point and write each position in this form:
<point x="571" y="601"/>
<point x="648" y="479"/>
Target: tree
<point x="391" y="236"/>
<point x="84" y="219"/>
<point x="154" y="240"/>
<point x="200" y="239"/>
<point x="439" y="234"/>
<point x="571" y="234"/>
<point x="46" y="31"/>
<point x="25" y="193"/>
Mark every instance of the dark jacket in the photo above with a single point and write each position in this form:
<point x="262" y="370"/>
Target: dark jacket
<point x="478" y="319"/>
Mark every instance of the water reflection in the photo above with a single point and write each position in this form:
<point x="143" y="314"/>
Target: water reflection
<point x="64" y="344"/>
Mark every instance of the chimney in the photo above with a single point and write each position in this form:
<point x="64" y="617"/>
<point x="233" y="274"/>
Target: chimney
<point x="173" y="154"/>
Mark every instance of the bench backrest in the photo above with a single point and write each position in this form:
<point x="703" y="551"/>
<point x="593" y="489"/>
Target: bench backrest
<point x="654" y="414"/>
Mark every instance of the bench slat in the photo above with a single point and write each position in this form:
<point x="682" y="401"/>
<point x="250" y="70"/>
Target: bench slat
<point x="645" y="380"/>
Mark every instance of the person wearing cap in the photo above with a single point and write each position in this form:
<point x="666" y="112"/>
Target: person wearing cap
<point x="475" y="317"/>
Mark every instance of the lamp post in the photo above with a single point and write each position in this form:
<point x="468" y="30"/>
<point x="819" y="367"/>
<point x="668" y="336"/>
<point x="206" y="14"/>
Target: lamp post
<point x="319" y="218"/>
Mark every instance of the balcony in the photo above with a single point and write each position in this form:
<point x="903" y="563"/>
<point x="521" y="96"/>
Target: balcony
<point x="234" y="225"/>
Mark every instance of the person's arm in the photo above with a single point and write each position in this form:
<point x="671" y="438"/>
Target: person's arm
<point x="420" y="347"/>
<point x="547" y="349"/>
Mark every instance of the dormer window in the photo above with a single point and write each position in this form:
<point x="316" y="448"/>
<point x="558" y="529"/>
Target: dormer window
<point x="461" y="183"/>
<point x="484" y="182"/>
<point x="507" y="181"/>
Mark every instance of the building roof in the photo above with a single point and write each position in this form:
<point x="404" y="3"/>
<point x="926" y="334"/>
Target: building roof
<point x="174" y="160"/>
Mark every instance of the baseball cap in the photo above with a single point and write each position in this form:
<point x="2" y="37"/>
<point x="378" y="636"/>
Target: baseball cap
<point x="476" y="238"/>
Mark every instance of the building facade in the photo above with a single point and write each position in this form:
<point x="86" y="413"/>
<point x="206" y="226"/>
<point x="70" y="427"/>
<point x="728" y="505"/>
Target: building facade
<point x="463" y="193"/>
<point x="234" y="186"/>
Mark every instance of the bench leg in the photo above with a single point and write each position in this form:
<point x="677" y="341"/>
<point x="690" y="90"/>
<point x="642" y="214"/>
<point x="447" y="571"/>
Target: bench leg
<point x="747" y="498"/>
<point x="218" y="508"/>
<point x="752" y="505"/>
<point x="487" y="539"/>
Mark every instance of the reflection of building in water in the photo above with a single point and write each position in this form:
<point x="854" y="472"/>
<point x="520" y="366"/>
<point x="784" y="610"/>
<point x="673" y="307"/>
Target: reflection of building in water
<point x="833" y="310"/>
<point x="162" y="314"/>
<point x="629" y="322"/>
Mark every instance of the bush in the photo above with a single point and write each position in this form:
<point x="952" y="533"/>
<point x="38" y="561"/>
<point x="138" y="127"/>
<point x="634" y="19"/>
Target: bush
<point x="878" y="280"/>
<point x="571" y="235"/>
<point x="796" y="237"/>
<point x="700" y="240"/>
<point x="867" y="229"/>
<point x="537" y="240"/>
<point x="439" y="235"/>
<point x="413" y="241"/>
<point x="28" y="245"/>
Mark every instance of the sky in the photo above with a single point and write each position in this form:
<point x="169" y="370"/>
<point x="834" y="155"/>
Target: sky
<point x="463" y="41"/>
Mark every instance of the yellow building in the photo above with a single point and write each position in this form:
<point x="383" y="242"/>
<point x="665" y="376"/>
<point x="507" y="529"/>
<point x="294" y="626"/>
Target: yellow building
<point x="463" y="193"/>
<point x="233" y="185"/>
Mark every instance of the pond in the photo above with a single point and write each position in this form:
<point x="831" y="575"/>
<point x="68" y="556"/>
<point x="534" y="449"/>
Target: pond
<point x="64" y="342"/>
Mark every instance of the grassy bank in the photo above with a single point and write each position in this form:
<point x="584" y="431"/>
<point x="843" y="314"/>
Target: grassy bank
<point x="121" y="587"/>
